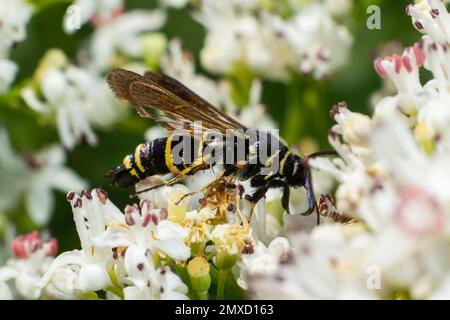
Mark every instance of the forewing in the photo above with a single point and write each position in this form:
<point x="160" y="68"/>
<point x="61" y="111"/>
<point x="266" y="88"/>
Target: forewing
<point x="180" y="106"/>
<point x="193" y="99"/>
<point x="119" y="80"/>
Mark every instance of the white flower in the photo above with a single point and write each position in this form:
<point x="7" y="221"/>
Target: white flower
<point x="32" y="258"/>
<point x="98" y="12"/>
<point x="315" y="38"/>
<point x="34" y="177"/>
<point x="92" y="212"/>
<point x="122" y="36"/>
<point x="161" y="198"/>
<point x="355" y="128"/>
<point x="425" y="103"/>
<point x="117" y="252"/>
<point x="233" y="36"/>
<point x="64" y="284"/>
<point x="432" y="18"/>
<point x="178" y="4"/>
<point x="14" y="16"/>
<point x="393" y="177"/>
<point x="75" y="98"/>
<point x="314" y="269"/>
<point x="180" y="65"/>
<point x="5" y="292"/>
<point x="8" y="70"/>
<point x="197" y="222"/>
<point x="233" y="239"/>
<point x="404" y="72"/>
<point x="134" y="236"/>
<point x="264" y="260"/>
<point x="149" y="229"/>
<point x="310" y="41"/>
<point x="355" y="182"/>
<point x="147" y="282"/>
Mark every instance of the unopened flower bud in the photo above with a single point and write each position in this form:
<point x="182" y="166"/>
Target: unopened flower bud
<point x="198" y="270"/>
<point x="356" y="128"/>
<point x="224" y="260"/>
<point x="54" y="58"/>
<point x="153" y="46"/>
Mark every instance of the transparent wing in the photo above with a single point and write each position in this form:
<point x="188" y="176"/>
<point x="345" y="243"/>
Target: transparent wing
<point x="180" y="107"/>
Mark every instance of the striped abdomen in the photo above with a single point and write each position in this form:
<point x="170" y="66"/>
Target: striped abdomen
<point x="185" y="155"/>
<point x="155" y="157"/>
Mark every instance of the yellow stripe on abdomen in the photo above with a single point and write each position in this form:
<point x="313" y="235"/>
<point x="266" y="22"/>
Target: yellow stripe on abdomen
<point x="168" y="156"/>
<point x="137" y="158"/>
<point x="128" y="166"/>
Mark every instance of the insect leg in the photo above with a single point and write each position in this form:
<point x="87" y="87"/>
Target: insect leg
<point x="170" y="182"/>
<point x="255" y="197"/>
<point x="180" y="177"/>
<point x="312" y="205"/>
<point x="286" y="192"/>
<point x="285" y="199"/>
<point x="206" y="186"/>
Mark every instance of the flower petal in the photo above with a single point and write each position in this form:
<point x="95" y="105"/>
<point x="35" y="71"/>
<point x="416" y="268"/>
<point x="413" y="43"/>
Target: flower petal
<point x="115" y="237"/>
<point x="39" y="203"/>
<point x="174" y="248"/>
<point x="93" y="277"/>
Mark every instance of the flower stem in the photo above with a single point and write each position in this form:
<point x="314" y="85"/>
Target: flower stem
<point x="293" y="123"/>
<point x="223" y="273"/>
<point x="203" y="295"/>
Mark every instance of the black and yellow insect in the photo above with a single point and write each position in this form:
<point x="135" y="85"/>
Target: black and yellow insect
<point x="180" y="108"/>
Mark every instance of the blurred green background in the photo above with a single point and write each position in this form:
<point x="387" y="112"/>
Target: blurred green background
<point x="300" y="109"/>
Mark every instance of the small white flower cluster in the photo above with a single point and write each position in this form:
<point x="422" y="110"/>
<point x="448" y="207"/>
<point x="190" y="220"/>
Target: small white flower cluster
<point x="33" y="177"/>
<point x="250" y="34"/>
<point x="15" y="15"/>
<point x="272" y="39"/>
<point x="393" y="183"/>
<point x="75" y="96"/>
<point x="145" y="251"/>
<point x="118" y="252"/>
<point x="179" y="64"/>
<point x="132" y="255"/>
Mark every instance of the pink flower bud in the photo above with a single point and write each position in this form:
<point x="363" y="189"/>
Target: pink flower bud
<point x="25" y="245"/>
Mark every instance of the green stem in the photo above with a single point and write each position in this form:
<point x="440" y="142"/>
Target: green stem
<point x="118" y="291"/>
<point x="202" y="295"/>
<point x="293" y="122"/>
<point x="234" y="291"/>
<point x="241" y="79"/>
<point x="223" y="273"/>
<point x="307" y="111"/>
<point x="115" y="288"/>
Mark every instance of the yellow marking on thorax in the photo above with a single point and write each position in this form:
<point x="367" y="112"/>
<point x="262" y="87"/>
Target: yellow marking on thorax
<point x="137" y="158"/>
<point x="269" y="161"/>
<point x="283" y="162"/>
<point x="168" y="156"/>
